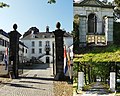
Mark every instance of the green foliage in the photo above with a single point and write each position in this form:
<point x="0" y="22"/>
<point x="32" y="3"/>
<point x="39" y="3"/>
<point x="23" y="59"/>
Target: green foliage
<point x="108" y="54"/>
<point x="75" y="69"/>
<point x="3" y="5"/>
<point x="76" y="33"/>
<point x="99" y="59"/>
<point x="86" y="87"/>
<point x="117" y="2"/>
<point x="52" y="1"/>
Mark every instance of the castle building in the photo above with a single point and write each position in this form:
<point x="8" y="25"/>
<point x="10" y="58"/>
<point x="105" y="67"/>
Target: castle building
<point x="95" y="22"/>
<point x="41" y="44"/>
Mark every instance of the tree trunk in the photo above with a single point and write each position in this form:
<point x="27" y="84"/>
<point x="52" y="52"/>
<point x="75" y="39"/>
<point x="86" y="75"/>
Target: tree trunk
<point x="85" y="74"/>
<point x="89" y="74"/>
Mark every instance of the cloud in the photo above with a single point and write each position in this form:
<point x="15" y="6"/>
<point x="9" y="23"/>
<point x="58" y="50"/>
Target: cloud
<point x="77" y="0"/>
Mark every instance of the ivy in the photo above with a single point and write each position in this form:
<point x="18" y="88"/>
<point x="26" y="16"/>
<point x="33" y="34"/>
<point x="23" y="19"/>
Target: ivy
<point x="108" y="54"/>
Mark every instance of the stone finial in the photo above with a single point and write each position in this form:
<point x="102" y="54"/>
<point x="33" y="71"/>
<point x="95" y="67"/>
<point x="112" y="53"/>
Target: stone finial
<point x="15" y="27"/>
<point x="47" y="28"/>
<point x="58" y="25"/>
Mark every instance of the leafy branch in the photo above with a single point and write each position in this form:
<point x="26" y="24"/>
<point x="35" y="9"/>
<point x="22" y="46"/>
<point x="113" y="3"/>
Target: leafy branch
<point x="3" y="5"/>
<point x="52" y="1"/>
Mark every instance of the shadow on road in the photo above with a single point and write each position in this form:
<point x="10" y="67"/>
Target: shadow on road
<point x="33" y="82"/>
<point x="38" y="78"/>
<point x="22" y="85"/>
<point x="37" y="66"/>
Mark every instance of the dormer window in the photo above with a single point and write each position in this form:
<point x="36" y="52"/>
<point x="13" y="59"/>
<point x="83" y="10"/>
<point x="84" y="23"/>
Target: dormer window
<point x="32" y="32"/>
<point x="33" y="36"/>
<point x="44" y="36"/>
<point x="51" y="36"/>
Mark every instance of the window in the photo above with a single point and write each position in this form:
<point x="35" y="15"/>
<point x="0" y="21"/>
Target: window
<point x="92" y="23"/>
<point x="40" y="43"/>
<point x="26" y="50"/>
<point x="40" y="50"/>
<point x="47" y="53"/>
<point x="1" y="41"/>
<point x="33" y="50"/>
<point x="23" y="50"/>
<point x="5" y="43"/>
<point x="47" y="43"/>
<point x="33" y="43"/>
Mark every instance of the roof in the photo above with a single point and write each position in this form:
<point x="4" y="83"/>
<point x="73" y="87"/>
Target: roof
<point x="93" y="3"/>
<point x="4" y="33"/>
<point x="45" y="35"/>
<point x="22" y="44"/>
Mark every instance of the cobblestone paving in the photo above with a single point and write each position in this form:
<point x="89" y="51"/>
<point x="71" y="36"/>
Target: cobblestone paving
<point x="62" y="88"/>
<point x="37" y="82"/>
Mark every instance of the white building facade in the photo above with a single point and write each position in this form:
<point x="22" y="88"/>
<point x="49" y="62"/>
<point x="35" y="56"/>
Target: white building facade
<point x="4" y="43"/>
<point x="96" y="21"/>
<point x="40" y="44"/>
<point x="23" y="53"/>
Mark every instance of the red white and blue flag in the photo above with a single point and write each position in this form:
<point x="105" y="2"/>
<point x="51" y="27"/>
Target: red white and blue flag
<point x="65" y="60"/>
<point x="69" y="64"/>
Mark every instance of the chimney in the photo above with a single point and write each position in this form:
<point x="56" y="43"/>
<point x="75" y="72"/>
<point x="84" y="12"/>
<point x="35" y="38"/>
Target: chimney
<point x="47" y="28"/>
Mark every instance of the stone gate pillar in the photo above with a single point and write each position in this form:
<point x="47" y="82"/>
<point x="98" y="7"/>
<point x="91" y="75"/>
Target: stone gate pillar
<point x="109" y="30"/>
<point x="14" y="49"/>
<point x="59" y="50"/>
<point x="83" y="30"/>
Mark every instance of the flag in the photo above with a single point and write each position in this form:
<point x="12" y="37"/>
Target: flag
<point x="65" y="60"/>
<point x="69" y="63"/>
<point x="68" y="57"/>
<point x="6" y="58"/>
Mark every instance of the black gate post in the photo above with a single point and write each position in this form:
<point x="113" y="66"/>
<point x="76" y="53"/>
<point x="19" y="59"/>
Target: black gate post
<point x="14" y="49"/>
<point x="59" y="52"/>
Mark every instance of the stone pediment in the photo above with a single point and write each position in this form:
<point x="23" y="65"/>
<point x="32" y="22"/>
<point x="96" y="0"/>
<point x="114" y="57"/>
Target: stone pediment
<point x="92" y="2"/>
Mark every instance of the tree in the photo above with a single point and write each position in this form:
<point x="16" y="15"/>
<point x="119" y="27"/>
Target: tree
<point x="75" y="33"/>
<point x="3" y="5"/>
<point x="52" y="1"/>
<point x="117" y="2"/>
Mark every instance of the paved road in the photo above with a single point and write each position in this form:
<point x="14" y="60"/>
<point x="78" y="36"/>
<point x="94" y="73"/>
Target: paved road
<point x="35" y="82"/>
<point x="96" y="90"/>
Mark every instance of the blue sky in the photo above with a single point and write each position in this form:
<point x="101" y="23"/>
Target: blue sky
<point x="36" y="13"/>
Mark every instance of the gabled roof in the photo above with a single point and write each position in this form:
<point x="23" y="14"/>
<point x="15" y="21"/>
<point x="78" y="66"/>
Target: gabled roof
<point x="93" y="3"/>
<point x="4" y="33"/>
<point x="22" y="44"/>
